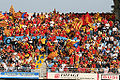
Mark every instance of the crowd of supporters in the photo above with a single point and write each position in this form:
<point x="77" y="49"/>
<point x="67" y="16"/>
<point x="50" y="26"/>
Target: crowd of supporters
<point x="97" y="50"/>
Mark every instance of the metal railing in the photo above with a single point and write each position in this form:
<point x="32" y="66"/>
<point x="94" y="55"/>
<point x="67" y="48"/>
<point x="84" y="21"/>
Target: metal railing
<point x="83" y="70"/>
<point x="17" y="69"/>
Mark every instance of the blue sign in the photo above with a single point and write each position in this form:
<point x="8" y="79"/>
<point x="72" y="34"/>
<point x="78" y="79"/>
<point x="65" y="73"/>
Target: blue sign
<point x="7" y="40"/>
<point x="23" y="75"/>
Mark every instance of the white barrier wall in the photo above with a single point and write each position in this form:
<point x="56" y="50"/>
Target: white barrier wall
<point x="81" y="76"/>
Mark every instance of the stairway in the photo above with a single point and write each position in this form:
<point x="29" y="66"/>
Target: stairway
<point x="43" y="71"/>
<point x="41" y="66"/>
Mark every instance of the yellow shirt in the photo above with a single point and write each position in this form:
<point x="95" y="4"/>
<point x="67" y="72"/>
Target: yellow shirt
<point x="27" y="55"/>
<point x="91" y="29"/>
<point x="67" y="30"/>
<point x="42" y="49"/>
<point x="43" y="40"/>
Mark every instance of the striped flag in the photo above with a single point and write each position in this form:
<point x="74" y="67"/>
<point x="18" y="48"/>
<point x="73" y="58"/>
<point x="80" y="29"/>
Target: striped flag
<point x="12" y="10"/>
<point x="2" y="16"/>
<point x="78" y="24"/>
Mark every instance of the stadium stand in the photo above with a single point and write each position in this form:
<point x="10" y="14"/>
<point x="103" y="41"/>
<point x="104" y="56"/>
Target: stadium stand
<point x="71" y="42"/>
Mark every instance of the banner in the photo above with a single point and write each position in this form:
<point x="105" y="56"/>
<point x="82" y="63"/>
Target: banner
<point x="23" y="75"/>
<point x="40" y="61"/>
<point x="109" y="77"/>
<point x="80" y="76"/>
<point x="7" y="40"/>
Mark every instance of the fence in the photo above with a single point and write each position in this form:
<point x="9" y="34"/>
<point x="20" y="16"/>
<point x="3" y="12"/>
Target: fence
<point x="17" y="69"/>
<point x="83" y="70"/>
<point x="66" y="73"/>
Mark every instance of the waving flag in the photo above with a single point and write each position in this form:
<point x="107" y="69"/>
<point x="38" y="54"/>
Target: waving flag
<point x="12" y="10"/>
<point x="2" y="16"/>
<point x="88" y="19"/>
<point x="70" y="51"/>
<point x="78" y="23"/>
<point x="53" y="54"/>
<point x="76" y="44"/>
<point x="18" y="15"/>
<point x="3" y="23"/>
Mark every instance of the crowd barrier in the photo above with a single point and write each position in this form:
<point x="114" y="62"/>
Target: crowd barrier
<point x="86" y="74"/>
<point x="83" y="76"/>
<point x="60" y="75"/>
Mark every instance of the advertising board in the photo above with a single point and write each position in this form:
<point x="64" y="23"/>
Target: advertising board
<point x="23" y="75"/>
<point x="109" y="77"/>
<point x="80" y="76"/>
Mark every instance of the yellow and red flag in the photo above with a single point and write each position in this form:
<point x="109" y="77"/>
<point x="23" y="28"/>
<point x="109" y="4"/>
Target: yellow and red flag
<point x="53" y="54"/>
<point x="11" y="10"/>
<point x="78" y="23"/>
<point x="3" y="23"/>
<point x="71" y="51"/>
<point x="2" y="16"/>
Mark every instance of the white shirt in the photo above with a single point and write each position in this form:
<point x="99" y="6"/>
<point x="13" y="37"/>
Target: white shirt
<point x="24" y="27"/>
<point x="51" y="22"/>
<point x="106" y="70"/>
<point x="63" y="65"/>
<point x="107" y="25"/>
<point x="115" y="55"/>
<point x="94" y="37"/>
<point x="46" y="15"/>
<point x="111" y="38"/>
<point x="5" y="66"/>
<point x="87" y="46"/>
<point x="30" y="41"/>
<point x="115" y="42"/>
<point x="107" y="38"/>
<point x="114" y="29"/>
<point x="108" y="51"/>
<point x="61" y="69"/>
<point x="100" y="48"/>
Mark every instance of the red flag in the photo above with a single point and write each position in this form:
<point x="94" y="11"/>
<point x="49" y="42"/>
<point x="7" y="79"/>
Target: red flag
<point x="83" y="19"/>
<point x="88" y="18"/>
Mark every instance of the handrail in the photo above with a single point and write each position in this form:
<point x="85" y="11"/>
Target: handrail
<point x="83" y="70"/>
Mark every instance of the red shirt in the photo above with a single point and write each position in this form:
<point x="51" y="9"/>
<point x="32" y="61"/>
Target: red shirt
<point x="27" y="31"/>
<point x="60" y="61"/>
<point x="77" y="34"/>
<point x="19" y="54"/>
<point x="93" y="65"/>
<point x="52" y="69"/>
<point x="65" y="61"/>
<point x="1" y="37"/>
<point x="65" y="69"/>
<point x="71" y="60"/>
<point x="85" y="38"/>
<point x="55" y="65"/>
<point x="77" y="57"/>
<point x="32" y="66"/>
<point x="17" y="32"/>
<point x="94" y="51"/>
<point x="22" y="31"/>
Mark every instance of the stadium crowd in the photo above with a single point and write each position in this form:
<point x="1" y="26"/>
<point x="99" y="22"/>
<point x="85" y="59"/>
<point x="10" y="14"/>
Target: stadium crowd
<point x="87" y="43"/>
